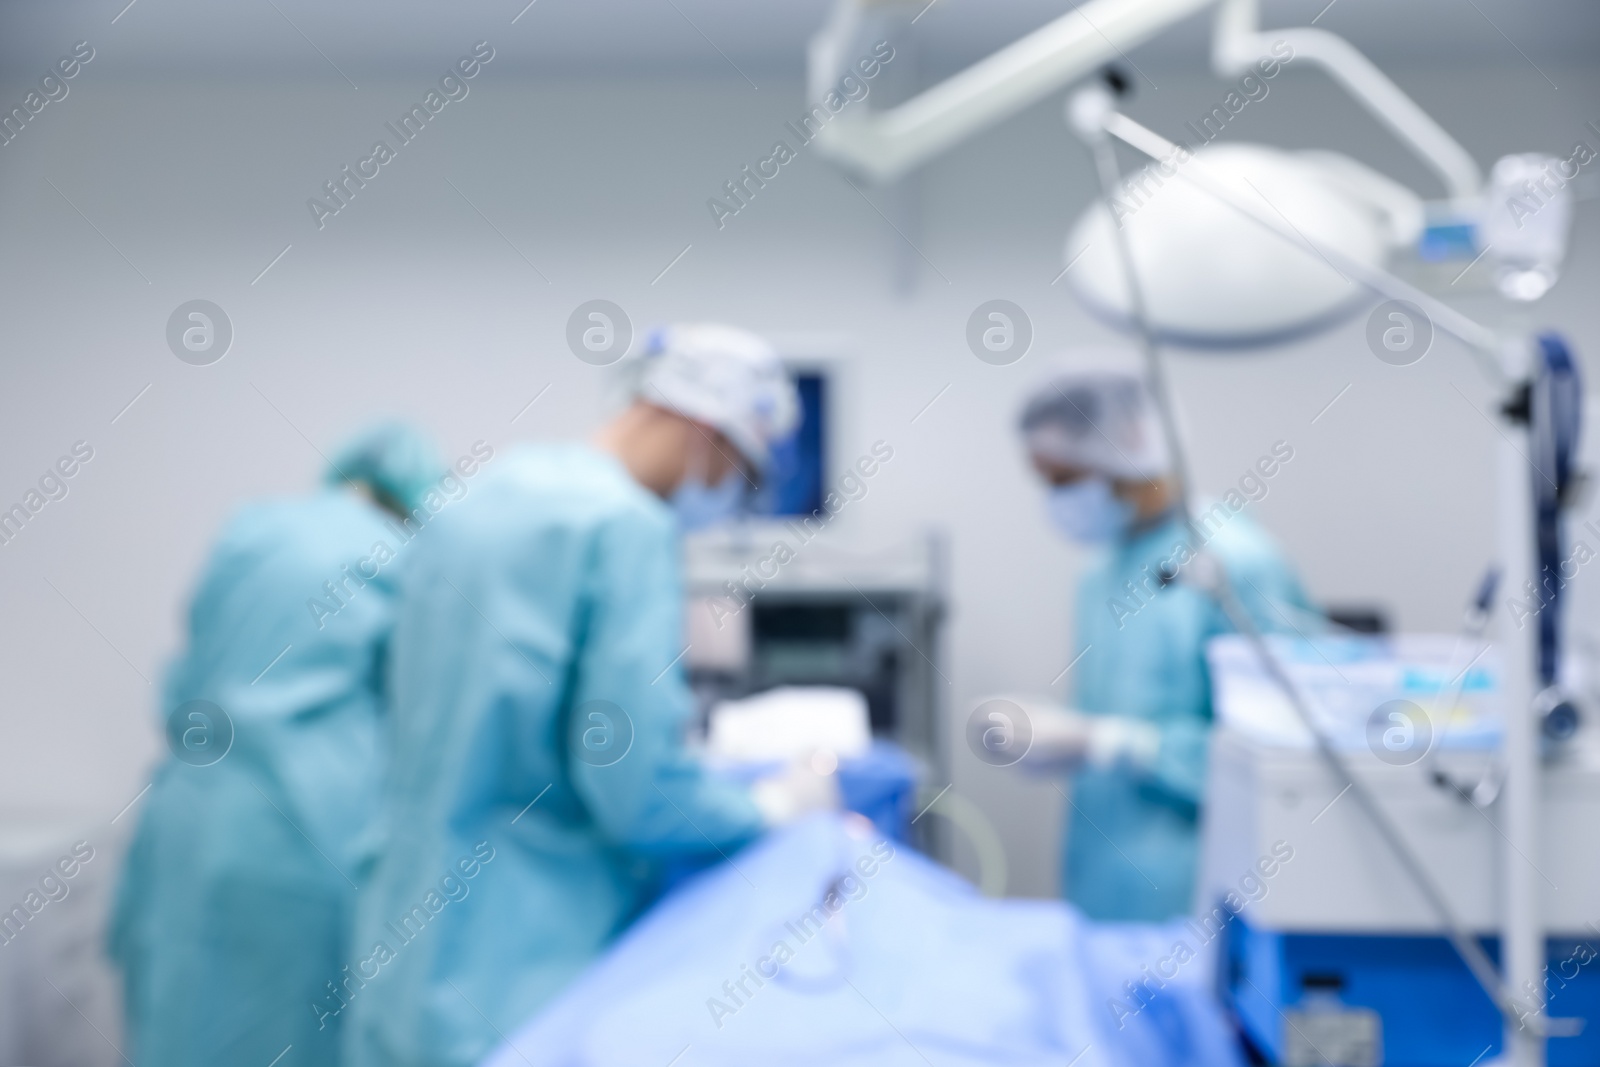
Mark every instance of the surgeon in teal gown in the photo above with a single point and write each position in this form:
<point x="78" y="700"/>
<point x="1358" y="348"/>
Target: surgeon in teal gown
<point x="540" y="779"/>
<point x="234" y="904"/>
<point x="1137" y="737"/>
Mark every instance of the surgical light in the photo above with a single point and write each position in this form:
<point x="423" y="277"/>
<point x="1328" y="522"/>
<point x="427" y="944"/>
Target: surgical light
<point x="1212" y="276"/>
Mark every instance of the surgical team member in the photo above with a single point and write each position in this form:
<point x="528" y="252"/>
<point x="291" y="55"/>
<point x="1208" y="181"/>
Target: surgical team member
<point x="235" y="902"/>
<point x="1138" y="737"/>
<point x="539" y="776"/>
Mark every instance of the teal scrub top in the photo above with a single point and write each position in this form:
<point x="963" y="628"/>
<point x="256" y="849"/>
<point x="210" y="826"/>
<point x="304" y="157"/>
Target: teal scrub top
<point x="236" y="896"/>
<point x="539" y="778"/>
<point x="1132" y="833"/>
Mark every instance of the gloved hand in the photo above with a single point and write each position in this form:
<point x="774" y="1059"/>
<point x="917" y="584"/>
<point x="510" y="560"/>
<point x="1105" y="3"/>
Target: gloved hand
<point x="806" y="785"/>
<point x="1061" y="739"/>
<point x="1119" y="739"/>
<point x="1066" y="740"/>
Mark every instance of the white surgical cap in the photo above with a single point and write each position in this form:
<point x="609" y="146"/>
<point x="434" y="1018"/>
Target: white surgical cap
<point x="1104" y="422"/>
<point x="722" y="376"/>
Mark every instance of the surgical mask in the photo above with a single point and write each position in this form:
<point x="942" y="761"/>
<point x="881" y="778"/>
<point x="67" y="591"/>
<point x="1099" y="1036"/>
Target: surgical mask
<point x="1088" y="511"/>
<point x="699" y="505"/>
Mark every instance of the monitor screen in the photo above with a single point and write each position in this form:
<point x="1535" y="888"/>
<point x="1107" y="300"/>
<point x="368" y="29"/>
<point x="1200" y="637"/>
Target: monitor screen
<point x="793" y="485"/>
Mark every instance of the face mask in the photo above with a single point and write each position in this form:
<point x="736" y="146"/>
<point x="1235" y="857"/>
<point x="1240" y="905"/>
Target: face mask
<point x="699" y="505"/>
<point x="1088" y="511"/>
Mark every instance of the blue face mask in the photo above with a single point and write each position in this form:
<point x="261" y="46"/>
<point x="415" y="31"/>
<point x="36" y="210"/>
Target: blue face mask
<point x="699" y="505"/>
<point x="1089" y="512"/>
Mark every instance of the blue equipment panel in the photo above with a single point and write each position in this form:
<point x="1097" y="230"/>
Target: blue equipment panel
<point x="1432" y="1012"/>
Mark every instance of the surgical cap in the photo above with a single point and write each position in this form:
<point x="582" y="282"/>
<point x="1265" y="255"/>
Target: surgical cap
<point x="1103" y="422"/>
<point x="722" y="376"/>
<point x="396" y="461"/>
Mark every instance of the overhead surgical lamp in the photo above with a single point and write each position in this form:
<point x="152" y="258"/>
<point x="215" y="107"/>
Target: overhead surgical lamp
<point x="1211" y="276"/>
<point x="1247" y="244"/>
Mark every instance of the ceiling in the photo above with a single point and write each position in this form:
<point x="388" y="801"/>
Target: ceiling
<point x="362" y="39"/>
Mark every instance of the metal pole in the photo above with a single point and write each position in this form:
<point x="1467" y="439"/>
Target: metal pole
<point x="1522" y="947"/>
<point x="1106" y="165"/>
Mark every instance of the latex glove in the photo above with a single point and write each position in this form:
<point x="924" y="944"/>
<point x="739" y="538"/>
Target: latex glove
<point x="1061" y="739"/>
<point x="1066" y="740"/>
<point x="806" y="785"/>
<point x="1120" y="740"/>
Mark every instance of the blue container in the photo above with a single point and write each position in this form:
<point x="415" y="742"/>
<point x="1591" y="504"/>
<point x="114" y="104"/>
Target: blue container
<point x="1432" y="1012"/>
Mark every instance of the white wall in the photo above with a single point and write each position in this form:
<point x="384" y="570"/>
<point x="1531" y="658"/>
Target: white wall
<point x="409" y="302"/>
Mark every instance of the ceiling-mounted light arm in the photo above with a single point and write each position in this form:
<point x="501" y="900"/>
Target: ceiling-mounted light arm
<point x="828" y="56"/>
<point x="1239" y="44"/>
<point x="883" y="145"/>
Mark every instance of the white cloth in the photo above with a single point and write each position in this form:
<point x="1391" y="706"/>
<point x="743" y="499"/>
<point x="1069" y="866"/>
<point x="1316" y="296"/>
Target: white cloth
<point x="789" y="722"/>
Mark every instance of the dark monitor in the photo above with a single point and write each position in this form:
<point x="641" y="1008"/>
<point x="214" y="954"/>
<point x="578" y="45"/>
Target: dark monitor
<point x="793" y="485"/>
<point x="1359" y="618"/>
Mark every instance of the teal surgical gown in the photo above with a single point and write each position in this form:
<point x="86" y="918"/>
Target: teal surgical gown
<point x="1132" y="840"/>
<point x="539" y="780"/>
<point x="235" y="901"/>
